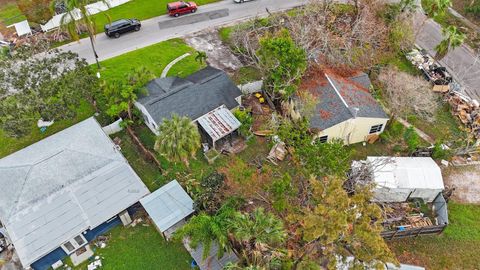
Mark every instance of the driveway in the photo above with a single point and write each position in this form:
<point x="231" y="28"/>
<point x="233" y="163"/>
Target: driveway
<point x="165" y="27"/>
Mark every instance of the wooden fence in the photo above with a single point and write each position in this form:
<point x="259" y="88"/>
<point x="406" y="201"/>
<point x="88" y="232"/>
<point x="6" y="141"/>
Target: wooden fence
<point x="436" y="229"/>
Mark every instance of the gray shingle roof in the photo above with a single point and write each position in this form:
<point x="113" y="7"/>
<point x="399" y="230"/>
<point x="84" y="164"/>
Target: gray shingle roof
<point x="340" y="99"/>
<point x="63" y="185"/>
<point x="193" y="96"/>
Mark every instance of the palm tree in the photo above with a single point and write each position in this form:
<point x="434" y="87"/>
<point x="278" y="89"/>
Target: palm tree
<point x="436" y="7"/>
<point x="432" y="9"/>
<point x="208" y="230"/>
<point x="201" y="57"/>
<point x="77" y="19"/>
<point x="259" y="233"/>
<point x="452" y="39"/>
<point x="179" y="139"/>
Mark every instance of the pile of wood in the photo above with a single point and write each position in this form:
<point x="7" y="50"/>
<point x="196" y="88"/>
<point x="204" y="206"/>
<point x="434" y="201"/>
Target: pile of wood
<point x="467" y="111"/>
<point x="419" y="221"/>
<point x="403" y="215"/>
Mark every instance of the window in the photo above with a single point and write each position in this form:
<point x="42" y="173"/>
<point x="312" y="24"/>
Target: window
<point x="79" y="240"/>
<point x="323" y="139"/>
<point x="69" y="247"/>
<point x="376" y="128"/>
<point x="74" y="244"/>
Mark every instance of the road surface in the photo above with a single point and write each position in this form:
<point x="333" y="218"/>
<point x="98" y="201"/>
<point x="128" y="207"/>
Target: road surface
<point x="163" y="27"/>
<point x="461" y="62"/>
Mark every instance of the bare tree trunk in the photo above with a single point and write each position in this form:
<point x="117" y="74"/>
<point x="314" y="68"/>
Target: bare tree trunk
<point x="90" y="35"/>
<point x="150" y="156"/>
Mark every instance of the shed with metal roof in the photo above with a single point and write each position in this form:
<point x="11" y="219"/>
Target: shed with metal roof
<point x="168" y="207"/>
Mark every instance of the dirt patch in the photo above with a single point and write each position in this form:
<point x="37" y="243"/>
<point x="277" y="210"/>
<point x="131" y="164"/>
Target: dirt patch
<point x="219" y="55"/>
<point x="467" y="182"/>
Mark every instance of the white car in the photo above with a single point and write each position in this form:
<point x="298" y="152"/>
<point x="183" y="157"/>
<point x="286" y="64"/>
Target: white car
<point x="241" y="1"/>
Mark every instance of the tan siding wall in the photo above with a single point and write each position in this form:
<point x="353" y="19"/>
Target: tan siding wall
<point x="353" y="130"/>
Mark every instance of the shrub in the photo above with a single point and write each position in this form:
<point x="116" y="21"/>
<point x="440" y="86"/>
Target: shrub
<point x="246" y="119"/>
<point x="411" y="139"/>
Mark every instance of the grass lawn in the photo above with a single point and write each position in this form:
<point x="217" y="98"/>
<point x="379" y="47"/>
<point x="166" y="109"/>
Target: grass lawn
<point x="154" y="57"/>
<point x="140" y="247"/>
<point x="9" y="145"/>
<point x="246" y="74"/>
<point x="456" y="248"/>
<point x="10" y="14"/>
<point x="445" y="128"/>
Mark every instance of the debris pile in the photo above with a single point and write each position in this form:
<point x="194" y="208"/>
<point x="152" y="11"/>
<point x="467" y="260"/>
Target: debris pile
<point x="467" y="110"/>
<point x="96" y="264"/>
<point x="404" y="216"/>
<point x="434" y="73"/>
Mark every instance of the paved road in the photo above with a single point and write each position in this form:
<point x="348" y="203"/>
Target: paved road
<point x="164" y="27"/>
<point x="462" y="62"/>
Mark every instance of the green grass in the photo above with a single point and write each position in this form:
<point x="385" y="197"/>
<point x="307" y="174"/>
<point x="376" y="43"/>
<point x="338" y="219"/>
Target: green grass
<point x="402" y="63"/>
<point x="456" y="248"/>
<point x="246" y="74"/>
<point x="225" y="33"/>
<point x="140" y="247"/>
<point x="10" y="14"/>
<point x="445" y="128"/>
<point x="9" y="145"/>
<point x="154" y="58"/>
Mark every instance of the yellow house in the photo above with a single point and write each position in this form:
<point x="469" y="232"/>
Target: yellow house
<point x="345" y="110"/>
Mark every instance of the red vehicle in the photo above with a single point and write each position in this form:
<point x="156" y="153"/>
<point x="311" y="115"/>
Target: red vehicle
<point x="178" y="8"/>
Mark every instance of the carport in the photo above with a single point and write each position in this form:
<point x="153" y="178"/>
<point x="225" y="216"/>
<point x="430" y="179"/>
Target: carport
<point x="218" y="124"/>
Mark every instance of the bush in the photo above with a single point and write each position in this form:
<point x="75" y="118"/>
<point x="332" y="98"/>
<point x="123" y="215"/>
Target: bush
<point x="209" y="198"/>
<point x="246" y="119"/>
<point x="411" y="139"/>
<point x="294" y="134"/>
<point x="440" y="153"/>
<point x="280" y="189"/>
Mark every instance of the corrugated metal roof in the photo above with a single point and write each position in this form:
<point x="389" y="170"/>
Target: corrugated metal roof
<point x="168" y="205"/>
<point x="219" y="123"/>
<point x="63" y="185"/>
<point x="408" y="172"/>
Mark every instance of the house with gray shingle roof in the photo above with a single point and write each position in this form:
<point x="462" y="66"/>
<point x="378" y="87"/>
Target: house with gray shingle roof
<point x="345" y="108"/>
<point x="207" y="97"/>
<point x="58" y="194"/>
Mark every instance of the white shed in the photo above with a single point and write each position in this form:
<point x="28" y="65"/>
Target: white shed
<point x="406" y="177"/>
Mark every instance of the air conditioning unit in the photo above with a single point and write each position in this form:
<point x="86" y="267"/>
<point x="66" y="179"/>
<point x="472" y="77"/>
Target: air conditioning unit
<point x="125" y="218"/>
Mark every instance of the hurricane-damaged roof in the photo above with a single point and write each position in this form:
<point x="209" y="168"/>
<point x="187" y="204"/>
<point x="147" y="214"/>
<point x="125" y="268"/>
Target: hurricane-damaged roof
<point x="342" y="98"/>
<point x="63" y="185"/>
